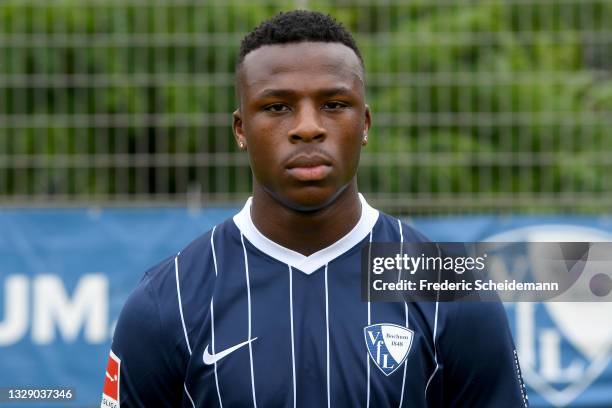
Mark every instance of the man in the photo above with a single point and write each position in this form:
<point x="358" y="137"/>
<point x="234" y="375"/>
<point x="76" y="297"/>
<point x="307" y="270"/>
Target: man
<point x="265" y="309"/>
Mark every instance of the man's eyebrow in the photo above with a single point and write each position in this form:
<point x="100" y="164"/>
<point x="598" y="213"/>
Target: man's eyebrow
<point x="341" y="90"/>
<point x="279" y="93"/>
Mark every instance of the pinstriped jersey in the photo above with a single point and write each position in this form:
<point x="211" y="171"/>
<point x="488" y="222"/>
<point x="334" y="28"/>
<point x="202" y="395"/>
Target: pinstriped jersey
<point x="237" y="320"/>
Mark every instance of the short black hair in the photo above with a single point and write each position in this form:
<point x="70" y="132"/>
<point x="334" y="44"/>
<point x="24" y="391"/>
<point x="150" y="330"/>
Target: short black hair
<point x="297" y="26"/>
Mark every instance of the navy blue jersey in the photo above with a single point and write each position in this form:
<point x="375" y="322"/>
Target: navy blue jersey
<point x="237" y="320"/>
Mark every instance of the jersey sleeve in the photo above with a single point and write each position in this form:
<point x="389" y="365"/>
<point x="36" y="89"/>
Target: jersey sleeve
<point x="145" y="362"/>
<point x="481" y="367"/>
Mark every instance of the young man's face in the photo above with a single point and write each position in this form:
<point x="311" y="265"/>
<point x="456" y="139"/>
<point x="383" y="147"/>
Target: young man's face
<point x="303" y="118"/>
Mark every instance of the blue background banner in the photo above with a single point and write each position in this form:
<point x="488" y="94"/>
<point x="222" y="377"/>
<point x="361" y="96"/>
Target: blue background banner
<point x="64" y="275"/>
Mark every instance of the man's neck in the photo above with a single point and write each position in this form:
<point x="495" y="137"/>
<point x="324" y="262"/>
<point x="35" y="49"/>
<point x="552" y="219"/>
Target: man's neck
<point x="306" y="232"/>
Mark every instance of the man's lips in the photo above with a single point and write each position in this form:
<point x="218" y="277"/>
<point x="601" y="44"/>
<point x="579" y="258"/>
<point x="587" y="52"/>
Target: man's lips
<point x="305" y="167"/>
<point x="314" y="173"/>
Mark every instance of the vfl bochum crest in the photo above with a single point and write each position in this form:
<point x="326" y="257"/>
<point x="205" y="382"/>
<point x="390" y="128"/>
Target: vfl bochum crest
<point x="388" y="345"/>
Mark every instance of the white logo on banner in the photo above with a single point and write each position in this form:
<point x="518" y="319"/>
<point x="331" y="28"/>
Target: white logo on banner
<point x="563" y="346"/>
<point x="53" y="311"/>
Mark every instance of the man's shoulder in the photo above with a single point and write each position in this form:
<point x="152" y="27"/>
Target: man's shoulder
<point x="194" y="262"/>
<point x="198" y="251"/>
<point x="187" y="277"/>
<point x="400" y="227"/>
<point x="481" y="326"/>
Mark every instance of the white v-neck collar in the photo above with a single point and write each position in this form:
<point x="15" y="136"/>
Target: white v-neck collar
<point x="307" y="264"/>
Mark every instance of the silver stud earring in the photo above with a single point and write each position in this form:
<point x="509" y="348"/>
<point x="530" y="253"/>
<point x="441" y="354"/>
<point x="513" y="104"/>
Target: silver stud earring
<point x="241" y="144"/>
<point x="365" y="138"/>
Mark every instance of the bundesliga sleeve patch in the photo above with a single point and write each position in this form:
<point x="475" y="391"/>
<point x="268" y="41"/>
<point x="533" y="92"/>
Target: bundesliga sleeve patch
<point x="110" y="394"/>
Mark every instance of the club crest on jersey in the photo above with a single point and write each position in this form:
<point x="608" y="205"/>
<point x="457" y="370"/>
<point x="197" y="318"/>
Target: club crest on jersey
<point x="388" y="345"/>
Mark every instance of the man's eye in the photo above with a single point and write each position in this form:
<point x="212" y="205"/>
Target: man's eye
<point x="276" y="107"/>
<point x="334" y="105"/>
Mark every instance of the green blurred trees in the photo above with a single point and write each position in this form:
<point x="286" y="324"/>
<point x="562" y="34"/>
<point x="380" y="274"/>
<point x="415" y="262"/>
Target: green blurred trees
<point x="517" y="92"/>
<point x="473" y="98"/>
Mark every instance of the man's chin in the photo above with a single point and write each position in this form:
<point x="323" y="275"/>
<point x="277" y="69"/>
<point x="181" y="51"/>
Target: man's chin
<point x="310" y="199"/>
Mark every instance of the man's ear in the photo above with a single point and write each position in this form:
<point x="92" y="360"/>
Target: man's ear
<point x="238" y="130"/>
<point x="366" y="125"/>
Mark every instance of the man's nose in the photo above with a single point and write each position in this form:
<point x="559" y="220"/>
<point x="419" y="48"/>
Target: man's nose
<point x="308" y="127"/>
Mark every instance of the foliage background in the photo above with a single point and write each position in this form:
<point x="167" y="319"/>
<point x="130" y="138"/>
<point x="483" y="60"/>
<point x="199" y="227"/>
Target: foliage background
<point x="495" y="105"/>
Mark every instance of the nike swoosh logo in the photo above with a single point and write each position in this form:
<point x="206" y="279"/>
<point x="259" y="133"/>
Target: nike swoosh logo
<point x="213" y="358"/>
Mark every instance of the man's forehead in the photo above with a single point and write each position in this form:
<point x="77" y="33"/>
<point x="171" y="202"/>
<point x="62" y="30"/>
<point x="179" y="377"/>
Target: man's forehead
<point x="267" y="63"/>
